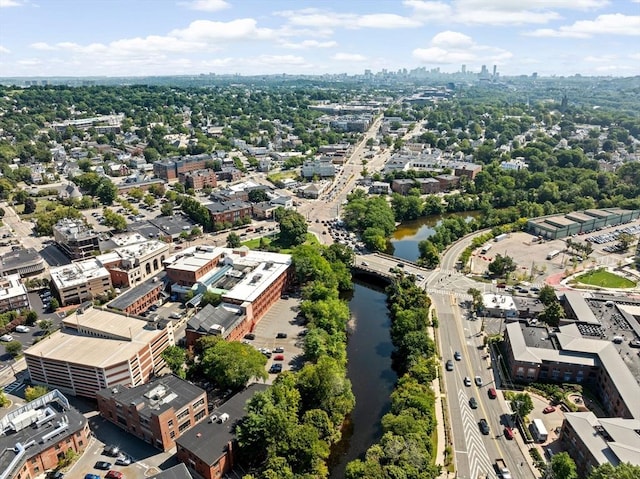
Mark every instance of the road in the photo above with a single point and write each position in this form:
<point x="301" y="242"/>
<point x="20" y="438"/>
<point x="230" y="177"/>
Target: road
<point x="23" y="230"/>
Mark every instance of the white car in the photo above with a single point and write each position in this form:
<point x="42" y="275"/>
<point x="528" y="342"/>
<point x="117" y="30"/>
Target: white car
<point x="6" y="338"/>
<point x="22" y="329"/>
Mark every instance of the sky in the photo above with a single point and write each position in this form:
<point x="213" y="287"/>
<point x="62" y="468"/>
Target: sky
<point x="254" y="37"/>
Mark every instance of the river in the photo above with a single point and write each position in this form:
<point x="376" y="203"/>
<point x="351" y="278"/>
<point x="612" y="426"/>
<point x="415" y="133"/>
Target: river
<point x="405" y="239"/>
<point x="369" y="350"/>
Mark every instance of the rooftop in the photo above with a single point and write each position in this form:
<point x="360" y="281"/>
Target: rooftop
<point x="130" y="296"/>
<point x="178" y="471"/>
<point x="212" y="318"/>
<point x="11" y="286"/>
<point x="34" y="427"/>
<point x="19" y="258"/>
<point x="156" y="396"/>
<point x="192" y="259"/>
<point x="77" y="273"/>
<point x="95" y="338"/>
<point x="73" y="229"/>
<point x="133" y="251"/>
<point x="208" y="440"/>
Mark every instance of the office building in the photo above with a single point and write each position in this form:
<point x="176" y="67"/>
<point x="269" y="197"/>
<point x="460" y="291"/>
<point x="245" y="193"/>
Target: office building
<point x="81" y="281"/>
<point x="157" y="412"/>
<point x="199" y="179"/>
<point x="75" y="238"/>
<point x="131" y="264"/>
<point x="20" y="261"/>
<point x="13" y="294"/>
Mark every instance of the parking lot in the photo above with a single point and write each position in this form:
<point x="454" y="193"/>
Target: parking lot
<point x="281" y="318"/>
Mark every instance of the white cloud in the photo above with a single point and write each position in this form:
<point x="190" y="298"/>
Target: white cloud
<point x="609" y="24"/>
<point x="348" y="57"/>
<point x="635" y="56"/>
<point x="206" y="5"/>
<point x="4" y="49"/>
<point x="600" y="59"/>
<point x="240" y="29"/>
<point x="310" y="44"/>
<point x="455" y="48"/>
<point x="497" y="12"/>
<point x="42" y="46"/>
<point x="10" y="3"/>
<point x="29" y="62"/>
<point x="316" y="18"/>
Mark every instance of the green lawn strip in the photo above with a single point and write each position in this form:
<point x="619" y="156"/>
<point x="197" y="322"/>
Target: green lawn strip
<point x="605" y="279"/>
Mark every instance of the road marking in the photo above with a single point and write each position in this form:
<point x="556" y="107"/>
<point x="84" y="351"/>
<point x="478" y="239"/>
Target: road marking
<point x="478" y="454"/>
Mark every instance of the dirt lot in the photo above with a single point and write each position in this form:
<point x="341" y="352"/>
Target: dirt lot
<point x="281" y="318"/>
<point x="531" y="257"/>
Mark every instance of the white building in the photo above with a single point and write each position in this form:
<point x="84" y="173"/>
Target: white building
<point x="514" y="165"/>
<point x="13" y="294"/>
<point x="80" y="281"/>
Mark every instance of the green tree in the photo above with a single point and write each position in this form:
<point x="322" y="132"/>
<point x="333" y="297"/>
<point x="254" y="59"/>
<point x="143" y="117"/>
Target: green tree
<point x="209" y="297"/>
<point x="46" y="325"/>
<point x="149" y="200"/>
<point x="114" y="220"/>
<point x="232" y="364"/>
<point x="502" y="266"/>
<point x="29" y="206"/>
<point x="522" y="404"/>
<point x="233" y="240"/>
<point x="476" y="298"/>
<point x="13" y="348"/>
<point x="563" y="467"/>
<point x="429" y="254"/>
<point x="293" y="227"/>
<point x="34" y="392"/>
<point x="621" y="471"/>
<point x="175" y="358"/>
<point x="136" y="193"/>
<point x="31" y="318"/>
<point x="55" y="304"/>
<point x="4" y="400"/>
<point x="167" y="208"/>
<point x="624" y="239"/>
<point x="107" y="192"/>
<point x="547" y="295"/>
<point x="258" y="196"/>
<point x="552" y="314"/>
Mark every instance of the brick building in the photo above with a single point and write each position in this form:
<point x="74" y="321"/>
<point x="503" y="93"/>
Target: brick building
<point x="171" y="168"/>
<point x="187" y="267"/>
<point x="199" y="179"/>
<point x="429" y="186"/>
<point x="35" y="436"/>
<point x="158" y="412"/>
<point x="448" y="182"/>
<point x="208" y="449"/>
<point x="228" y="211"/>
<point x="141" y="297"/>
<point x="129" y="265"/>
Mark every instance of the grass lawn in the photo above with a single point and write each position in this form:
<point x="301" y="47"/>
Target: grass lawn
<point x="41" y="206"/>
<point x="605" y="279"/>
<point x="255" y="243"/>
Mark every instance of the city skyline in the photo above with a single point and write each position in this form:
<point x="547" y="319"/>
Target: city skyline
<point x="250" y="37"/>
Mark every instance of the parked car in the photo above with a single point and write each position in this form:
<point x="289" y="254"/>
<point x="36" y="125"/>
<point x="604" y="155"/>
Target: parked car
<point x="473" y="404"/>
<point x="549" y="409"/>
<point x="484" y="426"/>
<point x="91" y="476"/>
<point x="111" y="450"/>
<point x="492" y="393"/>
<point x="279" y="349"/>
<point x="6" y="338"/>
<point x="250" y="336"/>
<point x="123" y="460"/>
<point x="114" y="475"/>
<point x="22" y="328"/>
<point x="278" y="357"/>
<point x="281" y="335"/>
<point x="103" y="465"/>
<point x="635" y="343"/>
<point x="275" y="368"/>
<point x="449" y="365"/>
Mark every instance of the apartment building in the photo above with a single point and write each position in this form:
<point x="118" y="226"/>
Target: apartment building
<point x="36" y="435"/>
<point x="141" y="297"/>
<point x="13" y="294"/>
<point x="322" y="168"/>
<point x="171" y="168"/>
<point x="228" y="211"/>
<point x="80" y="281"/>
<point x="187" y="267"/>
<point x="97" y="349"/>
<point x="157" y="412"/>
<point x="131" y="264"/>
<point x="75" y="238"/>
<point x="209" y="448"/>
<point x="199" y="179"/>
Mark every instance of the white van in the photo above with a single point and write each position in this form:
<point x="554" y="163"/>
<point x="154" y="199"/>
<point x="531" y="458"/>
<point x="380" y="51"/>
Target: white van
<point x="538" y="430"/>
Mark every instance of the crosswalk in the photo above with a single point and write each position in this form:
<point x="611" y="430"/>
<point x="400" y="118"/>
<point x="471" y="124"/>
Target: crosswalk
<point x="478" y="455"/>
<point x="457" y="294"/>
<point x="14" y="386"/>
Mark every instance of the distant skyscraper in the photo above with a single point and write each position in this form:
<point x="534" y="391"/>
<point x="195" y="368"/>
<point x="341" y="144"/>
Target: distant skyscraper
<point x="534" y="75"/>
<point x="495" y="69"/>
<point x="464" y="68"/>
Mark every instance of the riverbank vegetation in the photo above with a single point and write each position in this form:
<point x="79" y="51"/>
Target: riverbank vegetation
<point x="408" y="445"/>
<point x="290" y="427"/>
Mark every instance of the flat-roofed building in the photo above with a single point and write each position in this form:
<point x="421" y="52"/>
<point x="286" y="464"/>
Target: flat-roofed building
<point x="199" y="179"/>
<point x="13" y="294"/>
<point x="428" y="186"/>
<point x="80" y="281"/>
<point x="209" y="448"/>
<point x="593" y="441"/>
<point x="157" y="412"/>
<point x="322" y="168"/>
<point x="448" y="182"/>
<point x="97" y="349"/>
<point x="75" y="238"/>
<point x="535" y="354"/>
<point x="35" y="436"/>
<point x="129" y="265"/>
<point x="171" y="168"/>
<point x="560" y="226"/>
<point x="230" y="212"/>
<point x="187" y="267"/>
<point x="499" y="306"/>
<point x="21" y="261"/>
<point x="403" y="185"/>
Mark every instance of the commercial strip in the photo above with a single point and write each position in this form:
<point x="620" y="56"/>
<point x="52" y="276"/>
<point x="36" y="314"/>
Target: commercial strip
<point x="562" y="226"/>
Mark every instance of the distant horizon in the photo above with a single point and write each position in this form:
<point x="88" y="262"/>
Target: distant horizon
<point x="121" y="38"/>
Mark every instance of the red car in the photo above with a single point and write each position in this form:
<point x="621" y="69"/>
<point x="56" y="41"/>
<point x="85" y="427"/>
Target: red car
<point x="278" y="357"/>
<point x="508" y="433"/>
<point x="549" y="409"/>
<point x="492" y="393"/>
<point x="114" y="475"/>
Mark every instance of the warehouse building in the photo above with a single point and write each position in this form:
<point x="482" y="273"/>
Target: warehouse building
<point x="560" y="226"/>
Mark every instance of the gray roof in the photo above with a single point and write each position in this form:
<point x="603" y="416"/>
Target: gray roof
<point x="223" y="206"/>
<point x="580" y="307"/>
<point x="208" y="440"/>
<point x="19" y="259"/>
<point x="176" y="472"/>
<point x="156" y="396"/>
<point x="130" y="296"/>
<point x="211" y="315"/>
<point x="51" y="412"/>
